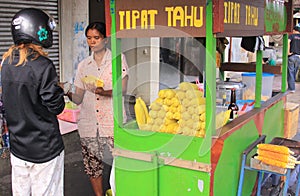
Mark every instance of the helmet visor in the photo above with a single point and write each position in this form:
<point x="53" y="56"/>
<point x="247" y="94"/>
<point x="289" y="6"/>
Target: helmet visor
<point x="52" y="24"/>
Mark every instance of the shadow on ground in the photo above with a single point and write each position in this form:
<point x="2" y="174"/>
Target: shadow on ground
<point x="76" y="181"/>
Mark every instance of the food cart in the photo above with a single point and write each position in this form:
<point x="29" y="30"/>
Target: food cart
<point x="156" y="163"/>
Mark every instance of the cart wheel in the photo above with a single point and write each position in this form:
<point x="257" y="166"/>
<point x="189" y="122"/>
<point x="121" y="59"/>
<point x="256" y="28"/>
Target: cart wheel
<point x="275" y="191"/>
<point x="290" y="193"/>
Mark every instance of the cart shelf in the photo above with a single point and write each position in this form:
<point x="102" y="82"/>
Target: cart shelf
<point x="250" y="67"/>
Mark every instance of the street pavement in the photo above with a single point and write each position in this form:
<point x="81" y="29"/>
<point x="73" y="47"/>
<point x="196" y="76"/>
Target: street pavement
<point x="76" y="181"/>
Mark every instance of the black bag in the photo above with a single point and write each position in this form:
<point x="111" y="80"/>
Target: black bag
<point x="253" y="43"/>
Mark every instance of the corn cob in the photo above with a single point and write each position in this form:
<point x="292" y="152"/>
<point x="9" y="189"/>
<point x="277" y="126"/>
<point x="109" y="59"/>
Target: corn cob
<point x="155" y="106"/>
<point x="162" y="93"/>
<point x="141" y="115"/>
<point x="275" y="162"/>
<point x="170" y="93"/>
<point x="276" y="156"/>
<point x="90" y="79"/>
<point x="146" y="112"/>
<point x="187" y="86"/>
<point x="275" y="148"/>
<point x="99" y="83"/>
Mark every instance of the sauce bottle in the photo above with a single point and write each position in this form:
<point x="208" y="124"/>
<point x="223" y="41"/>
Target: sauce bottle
<point x="233" y="106"/>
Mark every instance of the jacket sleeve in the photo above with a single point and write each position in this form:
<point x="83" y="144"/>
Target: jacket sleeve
<point x="51" y="94"/>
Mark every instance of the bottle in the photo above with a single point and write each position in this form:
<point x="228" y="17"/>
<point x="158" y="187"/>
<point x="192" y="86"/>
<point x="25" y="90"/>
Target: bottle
<point x="233" y="106"/>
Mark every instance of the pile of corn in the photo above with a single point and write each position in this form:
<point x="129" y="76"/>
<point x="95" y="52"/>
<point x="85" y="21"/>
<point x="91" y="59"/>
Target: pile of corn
<point x="179" y="111"/>
<point x="276" y="155"/>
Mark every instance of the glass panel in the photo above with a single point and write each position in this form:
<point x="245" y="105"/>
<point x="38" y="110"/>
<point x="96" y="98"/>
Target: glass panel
<point x="165" y="79"/>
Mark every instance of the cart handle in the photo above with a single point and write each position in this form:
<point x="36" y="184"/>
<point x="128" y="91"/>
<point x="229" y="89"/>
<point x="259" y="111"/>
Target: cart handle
<point x="261" y="139"/>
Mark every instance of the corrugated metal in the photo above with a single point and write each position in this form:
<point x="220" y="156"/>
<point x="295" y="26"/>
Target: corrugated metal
<point x="8" y="8"/>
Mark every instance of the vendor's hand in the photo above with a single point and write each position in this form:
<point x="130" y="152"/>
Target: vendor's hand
<point x="99" y="91"/>
<point x="90" y="87"/>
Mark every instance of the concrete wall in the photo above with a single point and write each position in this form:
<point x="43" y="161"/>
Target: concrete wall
<point x="73" y="20"/>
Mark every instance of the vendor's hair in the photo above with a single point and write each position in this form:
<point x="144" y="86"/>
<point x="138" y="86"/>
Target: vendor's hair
<point x="25" y="50"/>
<point x="99" y="26"/>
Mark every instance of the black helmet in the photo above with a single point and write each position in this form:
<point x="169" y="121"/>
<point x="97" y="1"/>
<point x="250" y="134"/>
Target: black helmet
<point x="31" y="25"/>
<point x="297" y="27"/>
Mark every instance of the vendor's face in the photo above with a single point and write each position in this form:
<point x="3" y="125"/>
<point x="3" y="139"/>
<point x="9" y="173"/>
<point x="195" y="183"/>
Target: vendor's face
<point x="95" y="40"/>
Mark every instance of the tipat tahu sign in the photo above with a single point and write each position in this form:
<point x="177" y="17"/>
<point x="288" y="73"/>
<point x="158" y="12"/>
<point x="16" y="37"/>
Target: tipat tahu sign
<point x="136" y="18"/>
<point x="176" y="18"/>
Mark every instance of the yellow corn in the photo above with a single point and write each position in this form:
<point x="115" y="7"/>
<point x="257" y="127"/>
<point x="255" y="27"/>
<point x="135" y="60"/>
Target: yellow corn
<point x="170" y="93"/>
<point x="99" y="83"/>
<point x="141" y="112"/>
<point x="159" y="100"/>
<point x="146" y="112"/>
<point x="274" y="162"/>
<point x="275" y="148"/>
<point x="155" y="106"/>
<point x="90" y="79"/>
<point x="202" y="117"/>
<point x="153" y="114"/>
<point x="276" y="156"/>
<point x="187" y="86"/>
<point x="180" y="94"/>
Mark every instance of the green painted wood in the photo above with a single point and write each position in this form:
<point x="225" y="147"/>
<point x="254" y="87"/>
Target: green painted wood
<point x="228" y="169"/>
<point x="187" y="148"/>
<point x="274" y="122"/>
<point x="210" y="80"/>
<point x="171" y="180"/>
<point x="180" y="181"/>
<point x="131" y="125"/>
<point x="284" y="63"/>
<point x="178" y="146"/>
<point x="230" y="161"/>
<point x="155" y="178"/>
<point x="258" y="84"/>
<point x="278" y="24"/>
<point x="116" y="69"/>
<point x="135" y="177"/>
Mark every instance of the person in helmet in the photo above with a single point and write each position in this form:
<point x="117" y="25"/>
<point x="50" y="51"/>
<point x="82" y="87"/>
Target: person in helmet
<point x="32" y="98"/>
<point x="293" y="57"/>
